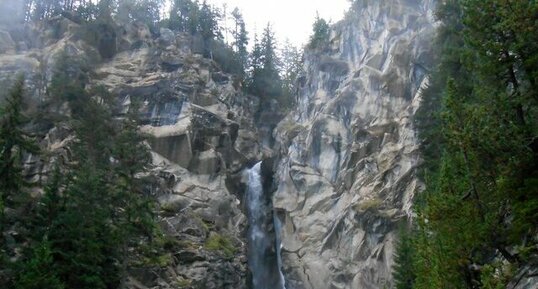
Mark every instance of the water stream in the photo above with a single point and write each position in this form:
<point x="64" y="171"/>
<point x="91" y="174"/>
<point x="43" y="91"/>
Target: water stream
<point x="264" y="247"/>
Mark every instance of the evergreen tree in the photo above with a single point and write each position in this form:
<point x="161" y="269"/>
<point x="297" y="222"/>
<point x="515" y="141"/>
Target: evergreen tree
<point x="146" y="11"/>
<point x="480" y="151"/>
<point x="265" y="80"/>
<point x="240" y="36"/>
<point x="95" y="216"/>
<point x="14" y="143"/>
<point x="179" y="14"/>
<point x="320" y="36"/>
<point x="39" y="271"/>
<point x="404" y="275"/>
<point x="208" y="27"/>
<point x="292" y="67"/>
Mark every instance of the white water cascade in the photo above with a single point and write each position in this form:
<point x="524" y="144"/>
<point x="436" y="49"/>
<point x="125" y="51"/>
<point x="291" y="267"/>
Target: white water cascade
<point x="264" y="248"/>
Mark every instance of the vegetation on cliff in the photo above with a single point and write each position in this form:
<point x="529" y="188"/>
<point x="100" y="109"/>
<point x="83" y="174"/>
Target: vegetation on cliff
<point x="94" y="213"/>
<point x="90" y="217"/>
<point x="476" y="221"/>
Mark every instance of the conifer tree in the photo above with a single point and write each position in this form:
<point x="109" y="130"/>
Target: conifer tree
<point x="292" y="67"/>
<point x="320" y="36"/>
<point x="404" y="274"/>
<point x="209" y="27"/>
<point x="265" y="80"/>
<point x="14" y="143"/>
<point x="240" y="36"/>
<point x="39" y="270"/>
<point x="478" y="200"/>
<point x="179" y="14"/>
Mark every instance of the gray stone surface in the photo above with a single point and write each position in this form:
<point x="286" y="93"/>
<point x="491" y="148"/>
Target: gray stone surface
<point x="347" y="176"/>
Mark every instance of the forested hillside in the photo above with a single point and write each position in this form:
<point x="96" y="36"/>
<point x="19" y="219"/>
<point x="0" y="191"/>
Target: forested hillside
<point x="85" y="194"/>
<point x="158" y="144"/>
<point x="476" y="222"/>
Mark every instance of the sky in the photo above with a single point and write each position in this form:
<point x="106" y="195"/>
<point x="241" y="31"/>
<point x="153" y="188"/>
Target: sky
<point x="291" y="19"/>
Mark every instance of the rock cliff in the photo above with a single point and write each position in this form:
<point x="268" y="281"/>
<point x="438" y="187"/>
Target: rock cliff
<point x="349" y="150"/>
<point x="201" y="129"/>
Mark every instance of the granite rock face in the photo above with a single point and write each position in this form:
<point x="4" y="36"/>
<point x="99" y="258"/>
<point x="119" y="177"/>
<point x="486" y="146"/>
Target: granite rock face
<point x="347" y="175"/>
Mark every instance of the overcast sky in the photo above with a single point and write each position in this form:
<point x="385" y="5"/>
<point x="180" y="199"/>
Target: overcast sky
<point x="290" y="19"/>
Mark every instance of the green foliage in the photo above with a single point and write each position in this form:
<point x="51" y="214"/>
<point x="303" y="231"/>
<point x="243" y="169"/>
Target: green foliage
<point x="39" y="271"/>
<point x="146" y="11"/>
<point x="95" y="214"/>
<point x="478" y="123"/>
<point x="264" y="78"/>
<point x="320" y="34"/>
<point x="404" y="275"/>
<point x="228" y="60"/>
<point x="217" y="242"/>
<point x="14" y="143"/>
<point x="70" y="76"/>
<point x="184" y="16"/>
<point x="292" y="67"/>
<point x="494" y="276"/>
<point x="241" y="39"/>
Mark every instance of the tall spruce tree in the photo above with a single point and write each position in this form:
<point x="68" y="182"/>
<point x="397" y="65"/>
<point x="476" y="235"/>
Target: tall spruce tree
<point x="265" y="80"/>
<point x="240" y="37"/>
<point x="479" y="202"/>
<point x="320" y="33"/>
<point x="15" y="142"/>
<point x="209" y="27"/>
<point x="292" y="67"/>
<point x="404" y="275"/>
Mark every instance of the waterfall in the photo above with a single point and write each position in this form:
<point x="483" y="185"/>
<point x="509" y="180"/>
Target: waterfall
<point x="264" y="246"/>
<point x="278" y="226"/>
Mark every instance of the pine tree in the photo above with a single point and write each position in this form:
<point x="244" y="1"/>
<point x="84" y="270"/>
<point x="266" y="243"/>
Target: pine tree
<point x="265" y="80"/>
<point x="240" y="36"/>
<point x="404" y="274"/>
<point x="39" y="271"/>
<point x="208" y="27"/>
<point x="320" y="36"/>
<point x="14" y="143"/>
<point x="179" y="15"/>
<point x="96" y="215"/>
<point x="146" y="11"/>
<point x="479" y="200"/>
<point x="292" y="67"/>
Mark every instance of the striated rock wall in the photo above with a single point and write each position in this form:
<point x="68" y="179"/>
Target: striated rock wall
<point x="347" y="175"/>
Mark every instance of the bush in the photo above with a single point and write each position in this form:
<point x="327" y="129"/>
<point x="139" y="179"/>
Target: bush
<point x="217" y="242"/>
